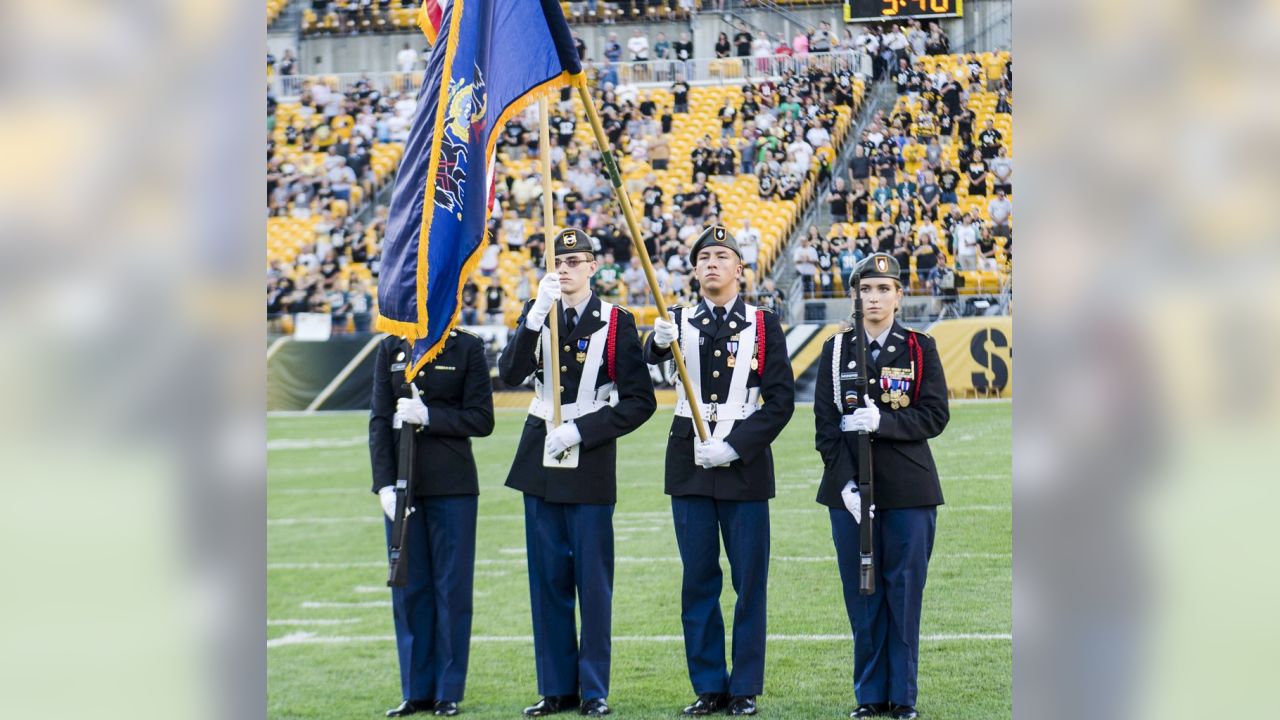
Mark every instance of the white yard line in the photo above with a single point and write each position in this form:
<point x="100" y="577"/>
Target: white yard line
<point x="314" y="621"/>
<point x="307" y="638"/>
<point x="621" y="560"/>
<point x="619" y="516"/>
<point x="317" y="443"/>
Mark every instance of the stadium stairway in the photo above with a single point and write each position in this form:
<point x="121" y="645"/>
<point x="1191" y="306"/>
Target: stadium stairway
<point x="879" y="96"/>
<point x="289" y="20"/>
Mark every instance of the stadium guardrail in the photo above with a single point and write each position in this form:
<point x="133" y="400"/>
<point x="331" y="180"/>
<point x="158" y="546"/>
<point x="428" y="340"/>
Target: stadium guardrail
<point x="651" y="73"/>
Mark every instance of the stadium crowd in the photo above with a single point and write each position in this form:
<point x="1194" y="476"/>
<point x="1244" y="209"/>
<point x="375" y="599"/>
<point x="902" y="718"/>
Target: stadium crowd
<point x="930" y="182"/>
<point x="749" y="157"/>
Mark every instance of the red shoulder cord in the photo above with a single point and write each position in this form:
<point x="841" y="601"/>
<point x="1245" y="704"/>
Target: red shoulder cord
<point x="760" y="342"/>
<point x="612" y="345"/>
<point x="918" y="355"/>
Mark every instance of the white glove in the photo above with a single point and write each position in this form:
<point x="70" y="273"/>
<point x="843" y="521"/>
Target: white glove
<point x="664" y="332"/>
<point x="853" y="501"/>
<point x="562" y="438"/>
<point x="387" y="496"/>
<point x="714" y="453"/>
<point x="548" y="293"/>
<point x="866" y="418"/>
<point x="411" y="410"/>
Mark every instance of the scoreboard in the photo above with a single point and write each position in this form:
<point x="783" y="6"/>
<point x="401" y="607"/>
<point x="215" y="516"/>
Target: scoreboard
<point x="855" y="10"/>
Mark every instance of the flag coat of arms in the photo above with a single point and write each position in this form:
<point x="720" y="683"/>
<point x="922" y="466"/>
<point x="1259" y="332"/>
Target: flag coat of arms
<point x="489" y="60"/>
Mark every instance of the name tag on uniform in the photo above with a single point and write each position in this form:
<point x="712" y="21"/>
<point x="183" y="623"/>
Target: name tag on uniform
<point x="445" y="367"/>
<point x="398" y="366"/>
<point x="849" y="376"/>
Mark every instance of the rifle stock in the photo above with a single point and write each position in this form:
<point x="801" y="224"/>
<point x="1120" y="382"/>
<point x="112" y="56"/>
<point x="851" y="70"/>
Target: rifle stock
<point x="866" y="471"/>
<point x="398" y="549"/>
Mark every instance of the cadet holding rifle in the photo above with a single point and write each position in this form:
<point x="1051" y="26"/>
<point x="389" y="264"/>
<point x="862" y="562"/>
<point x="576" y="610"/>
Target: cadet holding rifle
<point x="448" y="402"/>
<point x="905" y="404"/>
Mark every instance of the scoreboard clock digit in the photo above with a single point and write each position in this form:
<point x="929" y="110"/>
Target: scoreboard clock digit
<point x="863" y="10"/>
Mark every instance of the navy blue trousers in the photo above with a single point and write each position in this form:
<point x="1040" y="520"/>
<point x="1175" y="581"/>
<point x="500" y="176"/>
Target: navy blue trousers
<point x="886" y="624"/>
<point x="700" y="523"/>
<point x="570" y="549"/>
<point x="432" y="612"/>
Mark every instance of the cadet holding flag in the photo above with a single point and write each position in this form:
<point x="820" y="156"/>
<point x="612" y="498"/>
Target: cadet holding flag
<point x="605" y="393"/>
<point x="448" y="402"/>
<point x="906" y="405"/>
<point x="736" y="356"/>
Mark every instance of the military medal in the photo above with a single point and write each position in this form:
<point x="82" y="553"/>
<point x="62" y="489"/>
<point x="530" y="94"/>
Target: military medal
<point x="582" y="351"/>
<point x="731" y="361"/>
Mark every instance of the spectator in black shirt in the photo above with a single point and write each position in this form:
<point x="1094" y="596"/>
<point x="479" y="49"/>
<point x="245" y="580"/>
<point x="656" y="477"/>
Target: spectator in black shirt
<point x="838" y="201"/>
<point x="683" y="49"/>
<point x="858" y="201"/>
<point x="727" y="159"/>
<point x="989" y="139"/>
<point x="902" y="76"/>
<point x="470" y="296"/>
<point x="727" y="115"/>
<point x="743" y="41"/>
<point x="964" y="124"/>
<point x="652" y="194"/>
<point x="722" y="46"/>
<point x="680" y="96"/>
<point x="977" y="172"/>
<point x="948" y="182"/>
<point x="493" y="302"/>
<point x="930" y="197"/>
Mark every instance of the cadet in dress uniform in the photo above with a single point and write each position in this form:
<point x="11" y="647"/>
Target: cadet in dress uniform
<point x="906" y="407"/>
<point x="736" y="355"/>
<point x="605" y="393"/>
<point x="453" y="403"/>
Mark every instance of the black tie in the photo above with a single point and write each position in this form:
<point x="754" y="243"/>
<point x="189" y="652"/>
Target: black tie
<point x="570" y="319"/>
<point x="719" y="312"/>
<point x="874" y="351"/>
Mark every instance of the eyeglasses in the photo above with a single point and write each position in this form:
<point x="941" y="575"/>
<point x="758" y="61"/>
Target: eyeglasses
<point x="572" y="262"/>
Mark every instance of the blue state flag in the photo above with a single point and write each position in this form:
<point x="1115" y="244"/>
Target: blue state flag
<point x="490" y="60"/>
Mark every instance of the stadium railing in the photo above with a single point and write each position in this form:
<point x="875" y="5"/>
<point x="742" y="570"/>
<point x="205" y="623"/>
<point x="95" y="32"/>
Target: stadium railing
<point x="709" y="71"/>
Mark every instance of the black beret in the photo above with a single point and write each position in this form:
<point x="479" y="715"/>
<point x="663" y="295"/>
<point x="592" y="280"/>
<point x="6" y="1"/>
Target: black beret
<point x="879" y="265"/>
<point x="573" y="240"/>
<point x="715" y="235"/>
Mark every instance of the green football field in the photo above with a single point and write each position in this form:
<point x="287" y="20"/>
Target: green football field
<point x="331" y="652"/>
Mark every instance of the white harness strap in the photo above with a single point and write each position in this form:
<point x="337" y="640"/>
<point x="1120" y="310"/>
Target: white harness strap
<point x="846" y="421"/>
<point x="589" y="398"/>
<point x="742" y="402"/>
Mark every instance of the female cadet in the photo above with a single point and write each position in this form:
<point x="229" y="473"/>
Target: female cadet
<point x="450" y="400"/>
<point x="906" y="405"/>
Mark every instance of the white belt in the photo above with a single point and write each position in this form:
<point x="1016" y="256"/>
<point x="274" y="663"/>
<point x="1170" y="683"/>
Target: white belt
<point x="568" y="411"/>
<point x="717" y="412"/>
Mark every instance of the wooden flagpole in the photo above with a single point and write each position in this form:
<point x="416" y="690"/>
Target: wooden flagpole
<point x="633" y="227"/>
<point x="549" y="245"/>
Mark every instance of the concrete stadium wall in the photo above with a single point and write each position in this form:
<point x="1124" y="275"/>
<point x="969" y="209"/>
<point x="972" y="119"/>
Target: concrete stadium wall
<point x="987" y="25"/>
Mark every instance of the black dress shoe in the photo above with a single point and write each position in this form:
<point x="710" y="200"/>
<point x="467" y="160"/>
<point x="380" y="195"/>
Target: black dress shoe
<point x="595" y="707"/>
<point x="743" y="705"/>
<point x="551" y="705"/>
<point x="446" y="708"/>
<point x="412" y="707"/>
<point x="903" y="712"/>
<point x="706" y="704"/>
<point x="870" y="710"/>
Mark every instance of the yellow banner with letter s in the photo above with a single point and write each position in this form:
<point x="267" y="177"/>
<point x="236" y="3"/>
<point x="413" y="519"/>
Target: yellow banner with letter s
<point x="977" y="355"/>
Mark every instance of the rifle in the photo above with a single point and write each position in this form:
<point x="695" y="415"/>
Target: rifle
<point x="398" y="549"/>
<point x="866" y="484"/>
